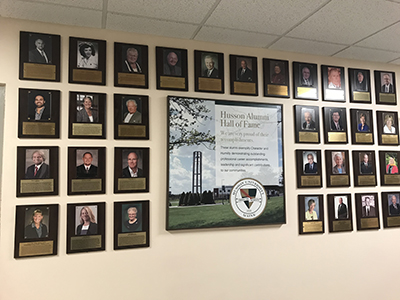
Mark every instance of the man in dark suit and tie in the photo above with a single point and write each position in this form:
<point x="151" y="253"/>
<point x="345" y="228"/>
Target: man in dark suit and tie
<point x="39" y="170"/>
<point x="394" y="208"/>
<point x="366" y="166"/>
<point x="368" y="210"/>
<point x="132" y="170"/>
<point x="211" y="71"/>
<point x="86" y="170"/>
<point x="308" y="124"/>
<point x="244" y="73"/>
<point x="361" y="84"/>
<point x="39" y="55"/>
<point x="336" y="124"/>
<point x="387" y="86"/>
<point x="311" y="167"/>
<point x="342" y="209"/>
<point x="306" y="79"/>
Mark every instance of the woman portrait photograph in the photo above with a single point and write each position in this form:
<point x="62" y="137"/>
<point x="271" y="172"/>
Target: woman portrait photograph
<point x="36" y="228"/>
<point x="312" y="208"/>
<point x="362" y="125"/>
<point x="391" y="163"/>
<point x="87" y="109"/>
<point x="389" y="124"/>
<point x="132" y="218"/>
<point x="85" y="217"/>
<point x="87" y="55"/>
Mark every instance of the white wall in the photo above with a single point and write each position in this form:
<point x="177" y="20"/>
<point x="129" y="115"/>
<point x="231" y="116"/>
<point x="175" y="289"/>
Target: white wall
<point x="264" y="262"/>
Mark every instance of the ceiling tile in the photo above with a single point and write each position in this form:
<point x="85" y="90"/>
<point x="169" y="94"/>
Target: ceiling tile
<point x="309" y="47"/>
<point x="274" y="16"/>
<point x="386" y="39"/>
<point x="192" y="11"/>
<point x="50" y="13"/>
<point x="234" y="37"/>
<point x="347" y="21"/>
<point x="367" y="54"/>
<point x="93" y="4"/>
<point x="396" y="62"/>
<point x="150" y="26"/>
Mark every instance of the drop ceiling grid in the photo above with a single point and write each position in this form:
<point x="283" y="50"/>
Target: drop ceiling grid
<point x="368" y="54"/>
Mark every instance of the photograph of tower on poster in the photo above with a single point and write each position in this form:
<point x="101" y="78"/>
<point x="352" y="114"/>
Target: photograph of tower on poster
<point x="213" y="144"/>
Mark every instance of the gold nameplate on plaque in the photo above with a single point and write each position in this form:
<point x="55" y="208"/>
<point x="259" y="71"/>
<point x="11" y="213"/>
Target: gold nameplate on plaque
<point x="41" y="128"/>
<point x="369" y="223"/>
<point x="308" y="136"/>
<point x="366" y="180"/>
<point x="387" y="98"/>
<point x="392" y="179"/>
<point x="361" y="96"/>
<point x="306" y="92"/>
<point x="364" y="137"/>
<point x="310" y="180"/>
<point x="312" y="226"/>
<point x="280" y="90"/>
<point x="85" y="242"/>
<point x="131" y="184"/>
<point x="39" y="71"/>
<point x="87" y="129"/>
<point x="132" y="130"/>
<point x="172" y="82"/>
<point x="336" y="136"/>
<point x="343" y="225"/>
<point x="86" y="185"/>
<point x="244" y="87"/>
<point x="393" y="221"/>
<point x="37" y="186"/>
<point x="390" y="139"/>
<point x="94" y="76"/>
<point x="210" y="84"/>
<point x="339" y="179"/>
<point x="131" y="79"/>
<point x="36" y="248"/>
<point x="131" y="239"/>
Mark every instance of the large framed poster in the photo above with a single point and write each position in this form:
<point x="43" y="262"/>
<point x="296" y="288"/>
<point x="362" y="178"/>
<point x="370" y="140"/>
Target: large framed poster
<point x="225" y="164"/>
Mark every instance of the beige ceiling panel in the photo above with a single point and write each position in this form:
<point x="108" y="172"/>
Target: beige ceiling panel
<point x="50" y="13"/>
<point x="347" y="21"/>
<point x="149" y="26"/>
<point x="309" y="47"/>
<point x="396" y="61"/>
<point x="368" y="54"/>
<point x="273" y="16"/>
<point x="387" y="39"/>
<point x="192" y="11"/>
<point x="93" y="4"/>
<point x="234" y="37"/>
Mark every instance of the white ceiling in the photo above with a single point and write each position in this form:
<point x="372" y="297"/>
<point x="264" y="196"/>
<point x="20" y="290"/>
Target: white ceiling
<point x="356" y="29"/>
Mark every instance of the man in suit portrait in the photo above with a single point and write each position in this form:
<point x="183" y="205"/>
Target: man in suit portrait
<point x="306" y="79"/>
<point x="130" y="64"/>
<point x="387" y="86"/>
<point x="308" y="123"/>
<point x="39" y="55"/>
<point x="39" y="169"/>
<point x="336" y="123"/>
<point x="210" y="70"/>
<point x="342" y="209"/>
<point x="311" y="167"/>
<point x="368" y="209"/>
<point x="366" y="166"/>
<point x="132" y="170"/>
<point x="41" y="111"/>
<point x="244" y="73"/>
<point x="394" y="208"/>
<point x="339" y="167"/>
<point x="361" y="84"/>
<point x="133" y="115"/>
<point x="170" y="66"/>
<point x="86" y="170"/>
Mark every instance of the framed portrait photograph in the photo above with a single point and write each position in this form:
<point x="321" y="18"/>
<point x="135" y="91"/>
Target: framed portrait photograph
<point x="87" y="61"/>
<point x="276" y="78"/>
<point x="335" y="125"/>
<point x="305" y="81"/>
<point x="307" y="124"/>
<point x="333" y="84"/>
<point x="311" y="214"/>
<point x="388" y="127"/>
<point x="362" y="126"/>
<point x="36" y="230"/>
<point x="390" y="209"/>
<point x="39" y="56"/>
<point x="209" y="71"/>
<point x="37" y="171"/>
<point x="87" y="113"/>
<point x="172" y="69"/>
<point x="367" y="211"/>
<point x="86" y="170"/>
<point x="131" y="117"/>
<point x="364" y="168"/>
<point x="337" y="168"/>
<point x="360" y="85"/>
<point x="385" y="87"/>
<point x="308" y="164"/>
<point x="340" y="212"/>
<point x="131" y="224"/>
<point x="131" y="170"/>
<point x="389" y="167"/>
<point x="244" y="75"/>
<point x="131" y="65"/>
<point x="38" y="113"/>
<point x="86" y="227"/>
